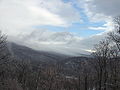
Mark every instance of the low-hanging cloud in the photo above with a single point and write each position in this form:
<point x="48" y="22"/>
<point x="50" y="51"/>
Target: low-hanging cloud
<point x="46" y="40"/>
<point x="60" y="42"/>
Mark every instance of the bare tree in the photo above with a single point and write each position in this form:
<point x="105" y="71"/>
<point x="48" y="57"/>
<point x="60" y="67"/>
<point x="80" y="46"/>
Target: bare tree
<point x="3" y="49"/>
<point x="115" y="35"/>
<point x="114" y="65"/>
<point x="101" y="56"/>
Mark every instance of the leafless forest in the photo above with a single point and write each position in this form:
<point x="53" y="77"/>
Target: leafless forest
<point x="101" y="71"/>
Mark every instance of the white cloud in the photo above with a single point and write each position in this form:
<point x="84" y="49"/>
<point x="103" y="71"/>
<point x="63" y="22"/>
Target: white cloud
<point x="18" y="15"/>
<point x="47" y="37"/>
<point x="60" y="42"/>
<point x="66" y="10"/>
<point x="101" y="11"/>
<point x="91" y="51"/>
<point x="97" y="28"/>
<point x="107" y="27"/>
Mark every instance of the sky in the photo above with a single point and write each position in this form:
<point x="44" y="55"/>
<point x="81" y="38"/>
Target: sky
<point x="64" y="26"/>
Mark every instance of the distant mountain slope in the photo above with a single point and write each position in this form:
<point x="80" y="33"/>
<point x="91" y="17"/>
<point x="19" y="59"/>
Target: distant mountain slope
<point x="71" y="65"/>
<point x="26" y="53"/>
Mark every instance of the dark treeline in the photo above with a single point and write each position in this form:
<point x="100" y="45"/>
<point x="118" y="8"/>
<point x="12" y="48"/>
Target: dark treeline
<point x="99" y="72"/>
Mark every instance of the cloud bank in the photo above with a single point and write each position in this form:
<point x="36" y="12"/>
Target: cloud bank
<point x="60" y="42"/>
